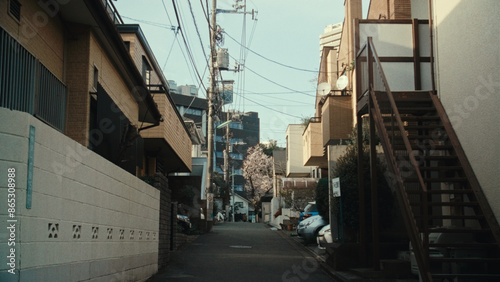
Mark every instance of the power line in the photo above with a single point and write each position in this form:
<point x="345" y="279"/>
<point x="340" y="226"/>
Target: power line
<point x="281" y="85"/>
<point x="157" y="24"/>
<point x="269" y="108"/>
<point x="271" y="60"/>
<point x="275" y="93"/>
<point x="188" y="49"/>
<point x="166" y="11"/>
<point x="197" y="31"/>
<point x="274" y="82"/>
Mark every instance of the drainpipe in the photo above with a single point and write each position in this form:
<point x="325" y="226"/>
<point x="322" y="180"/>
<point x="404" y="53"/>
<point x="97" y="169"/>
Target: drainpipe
<point x="432" y="47"/>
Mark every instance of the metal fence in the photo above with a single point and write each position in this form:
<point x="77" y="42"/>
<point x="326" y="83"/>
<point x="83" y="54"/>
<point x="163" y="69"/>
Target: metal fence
<point x="27" y="85"/>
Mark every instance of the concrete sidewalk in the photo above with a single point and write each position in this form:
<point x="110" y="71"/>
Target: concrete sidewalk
<point x="321" y="256"/>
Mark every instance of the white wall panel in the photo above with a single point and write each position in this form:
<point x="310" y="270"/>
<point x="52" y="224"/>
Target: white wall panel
<point x="73" y="186"/>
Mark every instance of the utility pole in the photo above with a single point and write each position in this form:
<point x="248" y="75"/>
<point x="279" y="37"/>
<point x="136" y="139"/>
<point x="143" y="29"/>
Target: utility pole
<point x="212" y="99"/>
<point x="226" y="157"/>
<point x="212" y="104"/>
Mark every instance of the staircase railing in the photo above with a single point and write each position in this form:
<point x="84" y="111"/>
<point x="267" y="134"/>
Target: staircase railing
<point x="373" y="83"/>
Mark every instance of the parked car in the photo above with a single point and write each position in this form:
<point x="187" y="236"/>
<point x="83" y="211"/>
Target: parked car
<point x="308" y="228"/>
<point x="183" y="222"/>
<point x="309" y="210"/>
<point x="324" y="237"/>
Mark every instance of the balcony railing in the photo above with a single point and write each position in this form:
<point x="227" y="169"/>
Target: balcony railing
<point x="112" y="12"/>
<point x="28" y="86"/>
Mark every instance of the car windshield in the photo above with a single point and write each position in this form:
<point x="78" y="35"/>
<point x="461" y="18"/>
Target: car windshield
<point x="311" y="208"/>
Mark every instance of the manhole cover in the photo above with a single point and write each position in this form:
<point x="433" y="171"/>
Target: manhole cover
<point x="240" y="247"/>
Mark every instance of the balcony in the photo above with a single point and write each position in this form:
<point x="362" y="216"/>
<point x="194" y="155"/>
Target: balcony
<point x="170" y="141"/>
<point x="313" y="147"/>
<point x="28" y="86"/>
<point x="336" y="119"/>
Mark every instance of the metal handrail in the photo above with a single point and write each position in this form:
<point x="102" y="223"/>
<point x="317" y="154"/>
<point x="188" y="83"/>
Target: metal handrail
<point x="397" y="115"/>
<point x="420" y="251"/>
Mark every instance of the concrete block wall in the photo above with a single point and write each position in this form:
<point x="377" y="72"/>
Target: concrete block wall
<point x="89" y="220"/>
<point x="165" y="227"/>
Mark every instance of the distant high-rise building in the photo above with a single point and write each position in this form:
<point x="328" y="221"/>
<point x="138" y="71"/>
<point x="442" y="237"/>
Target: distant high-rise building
<point x="172" y="85"/>
<point x="244" y="132"/>
<point x="190" y="90"/>
<point x="330" y="37"/>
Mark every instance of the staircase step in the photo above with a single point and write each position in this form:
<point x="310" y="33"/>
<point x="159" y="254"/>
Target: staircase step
<point x="435" y="192"/>
<point x="437" y="179"/>
<point x="416" y="109"/>
<point x="439" y="168"/>
<point x="423" y="147"/>
<point x="417" y="127"/>
<point x="477" y="217"/>
<point x="404" y="117"/>
<point x="459" y="230"/>
<point x="420" y="158"/>
<point x="464" y="245"/>
<point x="440" y="137"/>
<point x="455" y="204"/>
<point x="466" y="277"/>
<point x="436" y="158"/>
<point x="464" y="260"/>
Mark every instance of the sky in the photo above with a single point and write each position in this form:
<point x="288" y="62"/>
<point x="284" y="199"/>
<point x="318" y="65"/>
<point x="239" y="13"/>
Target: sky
<point x="280" y="60"/>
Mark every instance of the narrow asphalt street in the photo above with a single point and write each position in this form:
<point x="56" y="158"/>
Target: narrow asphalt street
<point x="242" y="252"/>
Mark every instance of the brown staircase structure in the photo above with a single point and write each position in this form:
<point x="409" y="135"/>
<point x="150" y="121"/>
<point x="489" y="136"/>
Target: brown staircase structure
<point x="453" y="232"/>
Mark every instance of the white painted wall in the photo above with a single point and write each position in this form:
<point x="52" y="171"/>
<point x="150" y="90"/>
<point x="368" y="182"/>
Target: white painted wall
<point x="244" y="208"/>
<point x="467" y="44"/>
<point x="396" y="40"/>
<point x="294" y="162"/>
<point x="73" y="188"/>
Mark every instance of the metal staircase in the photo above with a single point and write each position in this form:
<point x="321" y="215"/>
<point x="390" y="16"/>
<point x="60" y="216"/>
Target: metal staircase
<point x="453" y="231"/>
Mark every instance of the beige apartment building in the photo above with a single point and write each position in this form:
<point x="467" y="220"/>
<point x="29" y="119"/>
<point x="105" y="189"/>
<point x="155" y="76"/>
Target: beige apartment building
<point x="424" y="75"/>
<point x="80" y="127"/>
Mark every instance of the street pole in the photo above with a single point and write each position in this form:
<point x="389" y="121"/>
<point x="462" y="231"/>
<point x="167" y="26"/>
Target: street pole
<point x="211" y="97"/>
<point x="226" y="159"/>
<point x="212" y="103"/>
<point x="232" y="188"/>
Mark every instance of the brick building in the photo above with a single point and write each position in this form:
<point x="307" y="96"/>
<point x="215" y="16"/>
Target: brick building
<point x="76" y="100"/>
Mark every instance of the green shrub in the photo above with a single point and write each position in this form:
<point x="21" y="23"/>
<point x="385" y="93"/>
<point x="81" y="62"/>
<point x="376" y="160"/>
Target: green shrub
<point x="322" y="203"/>
<point x="347" y="171"/>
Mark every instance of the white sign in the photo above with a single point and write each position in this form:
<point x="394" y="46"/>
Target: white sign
<point x="336" y="187"/>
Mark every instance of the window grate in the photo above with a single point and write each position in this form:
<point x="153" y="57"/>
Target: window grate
<point x="15" y="9"/>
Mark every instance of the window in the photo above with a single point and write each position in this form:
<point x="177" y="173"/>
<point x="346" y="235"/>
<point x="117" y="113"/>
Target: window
<point x="236" y="125"/>
<point x="194" y="112"/>
<point x="236" y="140"/>
<point x="236" y="156"/>
<point x="127" y="45"/>
<point x="146" y="70"/>
<point x="96" y="77"/>
<point x="15" y="9"/>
